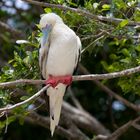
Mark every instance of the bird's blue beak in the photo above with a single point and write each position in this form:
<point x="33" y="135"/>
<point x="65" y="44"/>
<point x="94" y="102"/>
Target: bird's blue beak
<point x="46" y="30"/>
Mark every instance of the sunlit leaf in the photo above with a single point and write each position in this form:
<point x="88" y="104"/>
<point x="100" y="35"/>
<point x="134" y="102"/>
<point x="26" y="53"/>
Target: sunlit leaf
<point x="22" y="42"/>
<point x="47" y="10"/>
<point x="123" y="23"/>
<point x="106" y="6"/>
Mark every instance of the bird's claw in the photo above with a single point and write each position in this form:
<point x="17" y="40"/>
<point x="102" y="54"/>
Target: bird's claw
<point x="55" y="80"/>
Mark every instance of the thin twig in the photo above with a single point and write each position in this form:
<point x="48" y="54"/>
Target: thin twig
<point x="21" y="81"/>
<point x="82" y="12"/>
<point x="25" y="101"/>
<point x="94" y="42"/>
<point x="136" y="126"/>
<point x="6" y="124"/>
<point x="122" y="73"/>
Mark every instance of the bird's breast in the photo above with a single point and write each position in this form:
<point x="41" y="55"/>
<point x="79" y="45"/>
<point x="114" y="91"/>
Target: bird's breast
<point x="61" y="56"/>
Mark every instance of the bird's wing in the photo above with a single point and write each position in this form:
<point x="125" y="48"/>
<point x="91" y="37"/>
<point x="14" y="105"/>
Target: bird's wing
<point x="78" y="53"/>
<point x="43" y="55"/>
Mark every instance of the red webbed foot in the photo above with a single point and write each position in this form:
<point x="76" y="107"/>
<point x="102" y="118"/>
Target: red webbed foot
<point x="55" y="80"/>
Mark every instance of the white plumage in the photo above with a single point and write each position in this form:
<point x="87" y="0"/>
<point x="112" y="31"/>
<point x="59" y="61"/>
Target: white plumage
<point x="58" y="56"/>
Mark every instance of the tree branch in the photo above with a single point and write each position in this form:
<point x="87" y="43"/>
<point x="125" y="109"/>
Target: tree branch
<point x="72" y="132"/>
<point x="110" y="92"/>
<point x="35" y="118"/>
<point x="82" y="12"/>
<point x="74" y="78"/>
<point x="80" y="118"/>
<point x="115" y="95"/>
<point x="11" y="107"/>
<point x="121" y="130"/>
<point x="16" y="33"/>
<point x="84" y="120"/>
<point x="122" y="73"/>
<point x="21" y="81"/>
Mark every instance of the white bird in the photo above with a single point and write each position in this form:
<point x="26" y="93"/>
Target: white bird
<point x="58" y="57"/>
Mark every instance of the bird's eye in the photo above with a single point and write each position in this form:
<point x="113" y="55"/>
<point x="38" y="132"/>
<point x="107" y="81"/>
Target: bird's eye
<point x="42" y="29"/>
<point x="47" y="27"/>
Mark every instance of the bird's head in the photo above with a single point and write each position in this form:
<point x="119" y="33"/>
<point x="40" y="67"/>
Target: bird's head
<point x="47" y="22"/>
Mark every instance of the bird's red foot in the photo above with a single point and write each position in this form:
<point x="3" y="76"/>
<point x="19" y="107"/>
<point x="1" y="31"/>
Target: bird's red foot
<point x="55" y="80"/>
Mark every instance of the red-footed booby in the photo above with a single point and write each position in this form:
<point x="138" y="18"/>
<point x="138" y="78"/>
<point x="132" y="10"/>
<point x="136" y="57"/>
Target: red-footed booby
<point x="58" y="57"/>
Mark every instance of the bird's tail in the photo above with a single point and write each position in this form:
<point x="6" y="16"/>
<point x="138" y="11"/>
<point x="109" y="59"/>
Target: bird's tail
<point x="55" y="99"/>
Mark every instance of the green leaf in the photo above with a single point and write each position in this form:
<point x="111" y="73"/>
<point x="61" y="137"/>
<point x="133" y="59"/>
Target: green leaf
<point x="24" y="98"/>
<point x="21" y="120"/>
<point x="125" y="52"/>
<point x="137" y="14"/>
<point x="10" y="61"/>
<point x="38" y="26"/>
<point x="59" y="1"/>
<point x="131" y="3"/>
<point x="123" y="23"/>
<point x="47" y="10"/>
<point x="126" y="60"/>
<point x="120" y="4"/>
<point x="105" y="65"/>
<point x="138" y="61"/>
<point x="138" y="48"/>
<point x="113" y="56"/>
<point x="106" y="6"/>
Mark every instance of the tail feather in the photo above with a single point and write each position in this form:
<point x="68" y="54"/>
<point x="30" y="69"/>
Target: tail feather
<point x="55" y="99"/>
<point x="58" y="109"/>
<point x="52" y="125"/>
